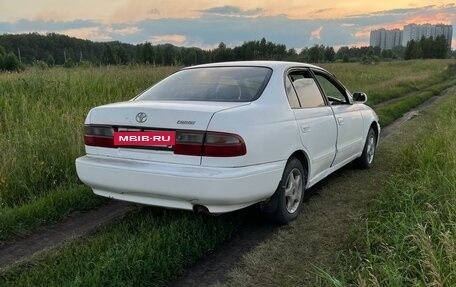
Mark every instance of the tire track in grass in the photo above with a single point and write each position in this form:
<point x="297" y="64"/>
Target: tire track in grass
<point x="436" y="88"/>
<point x="77" y="225"/>
<point x="253" y="233"/>
<point x="325" y="224"/>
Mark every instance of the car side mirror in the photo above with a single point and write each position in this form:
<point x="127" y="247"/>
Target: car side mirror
<point x="360" y="97"/>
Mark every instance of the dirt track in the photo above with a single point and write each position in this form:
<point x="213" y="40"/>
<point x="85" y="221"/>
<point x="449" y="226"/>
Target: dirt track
<point x="326" y="221"/>
<point x="77" y="225"/>
<point x="333" y="208"/>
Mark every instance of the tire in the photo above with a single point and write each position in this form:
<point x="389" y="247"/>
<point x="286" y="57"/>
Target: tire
<point x="367" y="157"/>
<point x="290" y="193"/>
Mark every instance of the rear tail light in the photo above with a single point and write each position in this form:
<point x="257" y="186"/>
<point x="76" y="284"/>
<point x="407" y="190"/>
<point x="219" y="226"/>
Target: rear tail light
<point x="102" y="136"/>
<point x="223" y="145"/>
<point x="213" y="144"/>
<point x="197" y="143"/>
<point x="189" y="142"/>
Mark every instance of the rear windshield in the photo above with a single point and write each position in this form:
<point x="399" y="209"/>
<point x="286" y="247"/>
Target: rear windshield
<point x="218" y="84"/>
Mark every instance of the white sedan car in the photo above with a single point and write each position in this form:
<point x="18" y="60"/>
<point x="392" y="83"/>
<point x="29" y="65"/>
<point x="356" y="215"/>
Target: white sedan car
<point x="228" y="135"/>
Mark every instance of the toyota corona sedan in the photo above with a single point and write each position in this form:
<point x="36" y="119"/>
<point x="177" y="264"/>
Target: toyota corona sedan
<point x="220" y="137"/>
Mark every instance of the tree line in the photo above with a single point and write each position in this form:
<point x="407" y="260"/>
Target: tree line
<point x="427" y="48"/>
<point x="54" y="49"/>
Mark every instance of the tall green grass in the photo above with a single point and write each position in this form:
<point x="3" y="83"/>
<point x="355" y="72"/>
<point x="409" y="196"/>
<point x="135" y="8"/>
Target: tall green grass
<point x="41" y="115"/>
<point x="409" y="237"/>
<point x="388" y="80"/>
<point x="41" y="123"/>
<point x="41" y="129"/>
<point x="149" y="248"/>
<point x="41" y="126"/>
<point x="47" y="209"/>
<point x="396" y="108"/>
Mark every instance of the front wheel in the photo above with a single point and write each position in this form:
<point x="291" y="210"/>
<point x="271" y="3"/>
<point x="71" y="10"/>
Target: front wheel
<point x="367" y="157"/>
<point x="290" y="192"/>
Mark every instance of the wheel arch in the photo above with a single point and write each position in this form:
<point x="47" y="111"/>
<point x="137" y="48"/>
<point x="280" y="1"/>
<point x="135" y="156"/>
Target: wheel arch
<point x="270" y="205"/>
<point x="376" y="127"/>
<point x="304" y="159"/>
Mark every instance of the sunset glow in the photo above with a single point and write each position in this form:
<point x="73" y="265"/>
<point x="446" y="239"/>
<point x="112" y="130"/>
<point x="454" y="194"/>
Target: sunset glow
<point x="206" y="23"/>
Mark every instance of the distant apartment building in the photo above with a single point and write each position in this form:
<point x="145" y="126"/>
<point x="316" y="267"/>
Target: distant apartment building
<point x="416" y="32"/>
<point x="387" y="39"/>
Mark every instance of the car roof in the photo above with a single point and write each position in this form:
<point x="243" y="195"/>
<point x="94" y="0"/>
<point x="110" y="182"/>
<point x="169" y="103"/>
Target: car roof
<point x="275" y="65"/>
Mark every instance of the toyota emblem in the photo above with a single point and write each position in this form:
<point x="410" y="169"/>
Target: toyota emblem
<point x="141" y="117"/>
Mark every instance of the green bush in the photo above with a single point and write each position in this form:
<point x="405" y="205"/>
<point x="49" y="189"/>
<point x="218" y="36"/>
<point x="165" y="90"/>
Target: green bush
<point x="9" y="62"/>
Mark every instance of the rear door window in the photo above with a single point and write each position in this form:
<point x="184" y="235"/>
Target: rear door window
<point x="307" y="90"/>
<point x="291" y="94"/>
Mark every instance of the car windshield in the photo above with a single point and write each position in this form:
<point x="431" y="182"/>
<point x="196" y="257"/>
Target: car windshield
<point x="221" y="84"/>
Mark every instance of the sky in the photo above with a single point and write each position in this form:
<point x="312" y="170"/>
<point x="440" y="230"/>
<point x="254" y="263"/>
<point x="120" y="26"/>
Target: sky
<point x="206" y="23"/>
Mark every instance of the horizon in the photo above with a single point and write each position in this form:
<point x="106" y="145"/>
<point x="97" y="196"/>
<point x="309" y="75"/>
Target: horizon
<point x="298" y="25"/>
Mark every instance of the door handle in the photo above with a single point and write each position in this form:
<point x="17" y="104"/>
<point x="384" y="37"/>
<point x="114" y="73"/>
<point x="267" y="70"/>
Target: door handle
<point x="305" y="129"/>
<point x="340" y="120"/>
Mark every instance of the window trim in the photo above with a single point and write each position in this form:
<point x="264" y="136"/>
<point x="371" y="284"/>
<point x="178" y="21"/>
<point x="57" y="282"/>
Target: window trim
<point x="295" y="93"/>
<point x="331" y="78"/>
<point x="299" y="69"/>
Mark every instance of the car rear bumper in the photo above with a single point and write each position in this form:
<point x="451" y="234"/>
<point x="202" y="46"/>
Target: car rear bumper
<point x="179" y="186"/>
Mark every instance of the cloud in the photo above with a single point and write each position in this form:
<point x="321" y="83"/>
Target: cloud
<point x="316" y="34"/>
<point x="360" y="44"/>
<point x="207" y="32"/>
<point x="154" y="11"/>
<point x="323" y="10"/>
<point x="232" y="11"/>
<point x="24" y="24"/>
<point x="80" y="29"/>
<point x="364" y="33"/>
<point x="427" y="14"/>
<point x="183" y="41"/>
<point x="400" y="11"/>
<point x="93" y="33"/>
<point x="218" y="24"/>
<point x="430" y="13"/>
<point x="126" y="31"/>
<point x="171" y="39"/>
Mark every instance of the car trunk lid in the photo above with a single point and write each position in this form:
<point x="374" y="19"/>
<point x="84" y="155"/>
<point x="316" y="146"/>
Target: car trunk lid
<point x="155" y="115"/>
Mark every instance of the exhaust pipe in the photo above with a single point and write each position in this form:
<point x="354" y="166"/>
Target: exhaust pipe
<point x="198" y="208"/>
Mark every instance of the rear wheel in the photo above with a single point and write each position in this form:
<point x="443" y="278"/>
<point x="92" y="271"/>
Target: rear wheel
<point x="290" y="193"/>
<point x="367" y="157"/>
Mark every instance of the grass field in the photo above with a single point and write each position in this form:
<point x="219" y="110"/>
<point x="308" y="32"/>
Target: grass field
<point x="41" y="126"/>
<point x="409" y="237"/>
<point x="396" y="107"/>
<point x="148" y="248"/>
<point x="42" y="122"/>
<point x="404" y="208"/>
<point x="392" y="79"/>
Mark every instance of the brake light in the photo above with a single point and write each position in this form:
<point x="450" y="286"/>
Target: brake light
<point x="223" y="145"/>
<point x="214" y="144"/>
<point x="101" y="136"/>
<point x="196" y="143"/>
<point x="189" y="142"/>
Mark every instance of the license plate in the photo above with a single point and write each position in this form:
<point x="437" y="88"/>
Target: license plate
<point x="145" y="138"/>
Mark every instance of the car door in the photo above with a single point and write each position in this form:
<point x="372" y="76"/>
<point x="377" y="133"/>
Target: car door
<point x="348" y="117"/>
<point x="315" y="120"/>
